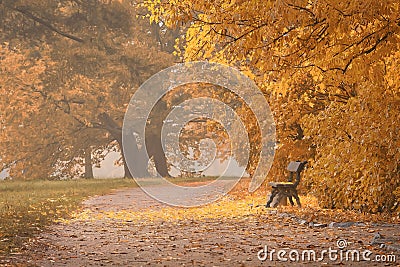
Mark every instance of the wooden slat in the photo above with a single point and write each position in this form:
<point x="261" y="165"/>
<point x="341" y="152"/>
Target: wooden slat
<point x="281" y="184"/>
<point x="294" y="166"/>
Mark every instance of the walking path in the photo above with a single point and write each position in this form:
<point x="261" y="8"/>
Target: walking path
<point x="126" y="228"/>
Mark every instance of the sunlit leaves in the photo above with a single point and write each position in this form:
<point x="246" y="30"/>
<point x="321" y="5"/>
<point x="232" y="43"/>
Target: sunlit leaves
<point x="328" y="67"/>
<point x="359" y="150"/>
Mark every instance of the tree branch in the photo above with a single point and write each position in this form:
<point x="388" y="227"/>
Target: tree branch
<point x="46" y="24"/>
<point x="110" y="125"/>
<point x="57" y="105"/>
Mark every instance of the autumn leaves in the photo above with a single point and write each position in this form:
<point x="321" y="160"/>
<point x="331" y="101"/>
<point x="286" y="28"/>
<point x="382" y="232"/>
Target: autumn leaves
<point x="328" y="69"/>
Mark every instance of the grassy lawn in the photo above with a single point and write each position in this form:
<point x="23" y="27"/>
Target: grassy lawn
<point x="28" y="206"/>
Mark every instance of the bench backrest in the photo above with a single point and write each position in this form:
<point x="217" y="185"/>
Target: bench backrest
<point x="296" y="166"/>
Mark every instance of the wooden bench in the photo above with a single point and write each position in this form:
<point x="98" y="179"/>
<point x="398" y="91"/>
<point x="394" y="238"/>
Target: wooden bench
<point x="282" y="190"/>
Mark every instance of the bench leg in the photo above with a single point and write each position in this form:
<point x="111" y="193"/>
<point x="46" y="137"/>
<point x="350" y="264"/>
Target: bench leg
<point x="296" y="196"/>
<point x="274" y="192"/>
<point x="291" y="200"/>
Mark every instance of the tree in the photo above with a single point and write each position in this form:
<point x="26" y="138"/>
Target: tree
<point x="18" y="103"/>
<point x="95" y="54"/>
<point x="358" y="149"/>
<point x="206" y="128"/>
<point x="333" y="46"/>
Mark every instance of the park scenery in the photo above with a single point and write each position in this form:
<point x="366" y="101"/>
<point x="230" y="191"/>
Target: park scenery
<point x="199" y="133"/>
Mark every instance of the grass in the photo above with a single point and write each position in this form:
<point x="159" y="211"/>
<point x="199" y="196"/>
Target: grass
<point x="26" y="207"/>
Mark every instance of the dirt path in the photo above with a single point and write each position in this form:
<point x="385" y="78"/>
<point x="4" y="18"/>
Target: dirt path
<point x="100" y="241"/>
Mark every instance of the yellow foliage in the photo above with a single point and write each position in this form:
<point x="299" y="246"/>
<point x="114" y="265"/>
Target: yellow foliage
<point x="330" y="68"/>
<point x="65" y="64"/>
<point x="357" y="162"/>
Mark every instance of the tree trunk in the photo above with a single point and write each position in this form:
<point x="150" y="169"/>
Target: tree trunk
<point x="155" y="150"/>
<point x="139" y="164"/>
<point x="153" y="144"/>
<point x="153" y="138"/>
<point x="88" y="164"/>
<point x="127" y="172"/>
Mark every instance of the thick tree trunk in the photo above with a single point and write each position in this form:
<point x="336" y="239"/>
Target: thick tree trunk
<point x="88" y="164"/>
<point x="155" y="150"/>
<point x="153" y="138"/>
<point x="139" y="165"/>
<point x="153" y="144"/>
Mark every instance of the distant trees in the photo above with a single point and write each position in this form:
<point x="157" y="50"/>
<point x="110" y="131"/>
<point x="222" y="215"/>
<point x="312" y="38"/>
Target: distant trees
<point x="68" y="70"/>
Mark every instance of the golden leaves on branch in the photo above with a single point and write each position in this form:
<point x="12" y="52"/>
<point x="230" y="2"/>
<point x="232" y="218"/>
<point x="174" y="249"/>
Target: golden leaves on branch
<point x="329" y="69"/>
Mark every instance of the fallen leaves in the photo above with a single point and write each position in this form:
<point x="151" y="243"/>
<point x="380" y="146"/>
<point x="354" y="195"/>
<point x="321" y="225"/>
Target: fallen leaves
<point x="221" y="210"/>
<point x="230" y="231"/>
<point x="229" y="208"/>
<point x="26" y="207"/>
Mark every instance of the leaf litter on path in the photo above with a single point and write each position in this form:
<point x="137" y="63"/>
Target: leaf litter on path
<point x="145" y="232"/>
